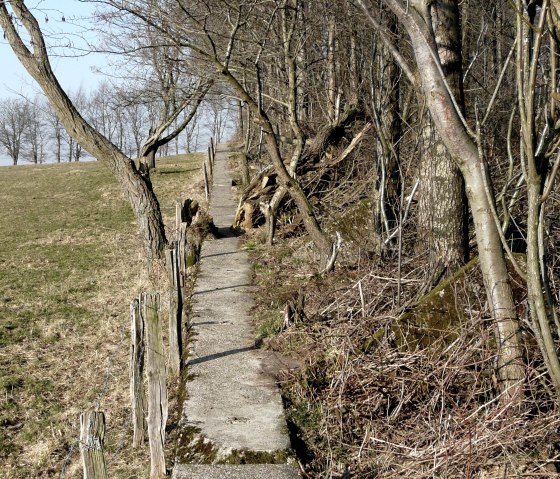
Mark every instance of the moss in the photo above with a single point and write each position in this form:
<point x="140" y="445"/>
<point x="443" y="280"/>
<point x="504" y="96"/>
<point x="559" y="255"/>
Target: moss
<point x="437" y="314"/>
<point x="194" y="448"/>
<point x="244" y="456"/>
<point x="354" y="221"/>
<point x="440" y="313"/>
<point x="190" y="261"/>
<point x="374" y="341"/>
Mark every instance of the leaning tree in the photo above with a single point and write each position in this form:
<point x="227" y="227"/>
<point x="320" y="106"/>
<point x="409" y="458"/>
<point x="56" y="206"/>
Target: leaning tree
<point x="33" y="55"/>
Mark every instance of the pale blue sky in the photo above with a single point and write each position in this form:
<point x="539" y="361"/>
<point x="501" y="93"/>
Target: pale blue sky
<point x="73" y="66"/>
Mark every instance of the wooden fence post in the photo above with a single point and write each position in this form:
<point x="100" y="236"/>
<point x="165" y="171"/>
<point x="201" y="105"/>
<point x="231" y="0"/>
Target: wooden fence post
<point x="137" y="393"/>
<point x="92" y="435"/>
<point x="175" y="311"/>
<point x="157" y="388"/>
<point x="206" y="185"/>
<point x="210" y="161"/>
<point x="178" y="216"/>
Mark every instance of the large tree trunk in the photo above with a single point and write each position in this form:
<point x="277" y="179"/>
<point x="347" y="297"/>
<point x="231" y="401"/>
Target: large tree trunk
<point x="448" y="120"/>
<point x="137" y="188"/>
<point x="442" y="210"/>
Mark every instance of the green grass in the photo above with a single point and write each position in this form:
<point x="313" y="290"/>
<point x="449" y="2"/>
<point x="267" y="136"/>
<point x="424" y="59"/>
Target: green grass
<point x="70" y="262"/>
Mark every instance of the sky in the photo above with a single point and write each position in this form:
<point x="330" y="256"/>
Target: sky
<point x="73" y="66"/>
<point x="67" y="28"/>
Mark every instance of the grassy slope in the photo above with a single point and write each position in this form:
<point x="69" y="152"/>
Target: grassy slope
<point x="69" y="265"/>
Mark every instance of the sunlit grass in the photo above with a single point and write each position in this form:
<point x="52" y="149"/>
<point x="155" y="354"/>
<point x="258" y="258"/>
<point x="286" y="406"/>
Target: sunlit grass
<point x="70" y="262"/>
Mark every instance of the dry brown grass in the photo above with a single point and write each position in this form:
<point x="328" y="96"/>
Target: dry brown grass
<point x="70" y="264"/>
<point x="369" y="401"/>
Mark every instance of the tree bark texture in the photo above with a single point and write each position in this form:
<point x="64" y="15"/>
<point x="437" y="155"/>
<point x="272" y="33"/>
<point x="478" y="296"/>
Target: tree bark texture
<point x="442" y="209"/>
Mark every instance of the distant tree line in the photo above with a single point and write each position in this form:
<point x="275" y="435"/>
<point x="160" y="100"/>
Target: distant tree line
<point x="30" y="131"/>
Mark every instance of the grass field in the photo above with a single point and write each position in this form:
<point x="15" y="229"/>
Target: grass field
<point x="70" y="263"/>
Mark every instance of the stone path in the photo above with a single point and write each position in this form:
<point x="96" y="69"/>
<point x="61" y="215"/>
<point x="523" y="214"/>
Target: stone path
<point x="233" y="406"/>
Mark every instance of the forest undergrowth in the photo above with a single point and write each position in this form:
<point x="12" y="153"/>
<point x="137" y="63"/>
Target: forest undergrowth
<point x="387" y="376"/>
<point x="393" y="390"/>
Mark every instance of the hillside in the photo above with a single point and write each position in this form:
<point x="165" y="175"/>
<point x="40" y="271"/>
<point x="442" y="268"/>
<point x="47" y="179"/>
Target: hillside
<point x="70" y="263"/>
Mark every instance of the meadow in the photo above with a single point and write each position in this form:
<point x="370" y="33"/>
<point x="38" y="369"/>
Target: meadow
<point x="70" y="264"/>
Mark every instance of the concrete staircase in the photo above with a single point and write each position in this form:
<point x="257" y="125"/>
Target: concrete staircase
<point x="234" y="412"/>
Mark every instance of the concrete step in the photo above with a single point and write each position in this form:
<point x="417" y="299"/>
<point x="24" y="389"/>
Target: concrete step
<point x="246" y="471"/>
<point x="233" y="404"/>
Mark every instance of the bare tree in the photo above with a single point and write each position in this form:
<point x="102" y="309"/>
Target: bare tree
<point x="15" y="116"/>
<point x="34" y="136"/>
<point x="34" y="57"/>
<point x="56" y="131"/>
<point x="158" y="73"/>
<point x="460" y="142"/>
<point x="224" y="37"/>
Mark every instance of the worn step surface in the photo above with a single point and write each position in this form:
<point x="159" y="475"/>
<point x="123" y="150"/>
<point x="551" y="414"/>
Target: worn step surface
<point x="233" y="404"/>
<point x="253" y="471"/>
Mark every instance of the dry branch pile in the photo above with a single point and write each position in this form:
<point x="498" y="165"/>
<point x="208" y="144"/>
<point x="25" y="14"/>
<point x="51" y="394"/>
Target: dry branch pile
<point x="370" y="399"/>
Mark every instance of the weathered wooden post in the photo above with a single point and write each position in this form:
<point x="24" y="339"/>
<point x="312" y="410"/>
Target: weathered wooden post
<point x="212" y="147"/>
<point x="92" y="435"/>
<point x="175" y="311"/>
<point x="157" y="387"/>
<point x="178" y="216"/>
<point x="137" y="393"/>
<point x="206" y="185"/>
<point x="210" y="161"/>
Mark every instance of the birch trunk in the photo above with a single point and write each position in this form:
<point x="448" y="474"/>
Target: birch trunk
<point x="454" y="133"/>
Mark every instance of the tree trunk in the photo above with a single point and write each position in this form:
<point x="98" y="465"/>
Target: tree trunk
<point x="442" y="203"/>
<point x="331" y="68"/>
<point x="318" y="236"/>
<point x="138" y="189"/>
<point x="386" y="104"/>
<point x="58" y="148"/>
<point x="452" y="130"/>
<point x="149" y="158"/>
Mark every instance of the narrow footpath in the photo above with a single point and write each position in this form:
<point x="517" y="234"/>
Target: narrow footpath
<point x="234" y="407"/>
